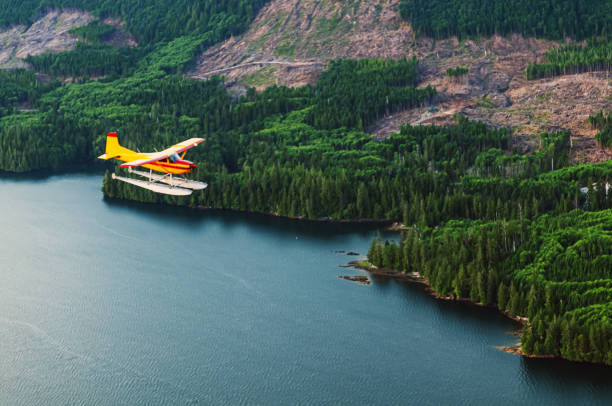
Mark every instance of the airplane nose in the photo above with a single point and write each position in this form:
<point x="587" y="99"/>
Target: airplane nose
<point x="193" y="165"/>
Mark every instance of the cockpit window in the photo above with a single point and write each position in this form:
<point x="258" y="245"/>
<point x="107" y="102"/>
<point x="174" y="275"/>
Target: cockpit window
<point x="174" y="157"/>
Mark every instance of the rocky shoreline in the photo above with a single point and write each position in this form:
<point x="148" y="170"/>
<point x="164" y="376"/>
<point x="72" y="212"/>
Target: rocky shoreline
<point x="516" y="349"/>
<point x="415" y="277"/>
<point x="361" y="279"/>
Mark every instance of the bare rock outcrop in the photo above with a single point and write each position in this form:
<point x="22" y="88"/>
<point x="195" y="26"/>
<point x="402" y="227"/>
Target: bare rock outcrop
<point x="51" y="34"/>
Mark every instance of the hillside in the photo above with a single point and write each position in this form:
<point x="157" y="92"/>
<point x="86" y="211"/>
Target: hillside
<point x="290" y="42"/>
<point x="301" y="33"/>
<point x="48" y="34"/>
<point x="51" y="33"/>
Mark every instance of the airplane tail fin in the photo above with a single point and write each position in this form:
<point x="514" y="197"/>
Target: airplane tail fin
<point x="113" y="149"/>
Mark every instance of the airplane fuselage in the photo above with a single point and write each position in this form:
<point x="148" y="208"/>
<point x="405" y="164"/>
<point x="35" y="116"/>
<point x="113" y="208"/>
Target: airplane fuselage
<point x="178" y="167"/>
<point x="175" y="168"/>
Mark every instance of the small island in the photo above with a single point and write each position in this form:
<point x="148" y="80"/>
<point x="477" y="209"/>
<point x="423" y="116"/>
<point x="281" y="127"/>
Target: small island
<point x="361" y="279"/>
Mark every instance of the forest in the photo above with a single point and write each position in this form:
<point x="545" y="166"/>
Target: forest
<point x="87" y="60"/>
<point x="552" y="19"/>
<point x="20" y="88"/>
<point x="355" y="93"/>
<point x="265" y="153"/>
<point x="595" y="55"/>
<point x="47" y="125"/>
<point x="151" y="21"/>
<point x="423" y="174"/>
<point x="94" y="32"/>
<point x="555" y="270"/>
<point x="456" y="72"/>
<point x="602" y="123"/>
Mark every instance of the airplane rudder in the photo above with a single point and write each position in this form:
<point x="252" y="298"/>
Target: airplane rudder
<point x="112" y="143"/>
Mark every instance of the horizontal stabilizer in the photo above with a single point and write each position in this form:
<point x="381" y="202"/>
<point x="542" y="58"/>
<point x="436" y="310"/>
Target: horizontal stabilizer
<point x="155" y="187"/>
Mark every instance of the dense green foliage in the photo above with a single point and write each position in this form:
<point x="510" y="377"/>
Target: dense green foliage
<point x="87" y="60"/>
<point x="554" y="270"/>
<point x="355" y="93"/>
<point x="554" y="19"/>
<point x="421" y="175"/>
<point x="602" y="123"/>
<point x="458" y="71"/>
<point x="19" y="87"/>
<point x="570" y="59"/>
<point x="264" y="153"/>
<point x="150" y="20"/>
<point x="94" y="32"/>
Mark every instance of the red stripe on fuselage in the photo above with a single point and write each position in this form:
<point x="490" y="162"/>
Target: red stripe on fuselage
<point x="167" y="167"/>
<point x="175" y="166"/>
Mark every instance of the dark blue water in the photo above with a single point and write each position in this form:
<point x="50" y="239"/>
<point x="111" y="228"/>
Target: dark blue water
<point x="114" y="303"/>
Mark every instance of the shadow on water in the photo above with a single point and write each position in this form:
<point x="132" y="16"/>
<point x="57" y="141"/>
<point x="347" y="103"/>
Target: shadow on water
<point x="470" y="314"/>
<point x="537" y="371"/>
<point x="476" y="315"/>
<point x="44" y="175"/>
<point x="321" y="230"/>
<point x="576" y="374"/>
<point x="383" y="281"/>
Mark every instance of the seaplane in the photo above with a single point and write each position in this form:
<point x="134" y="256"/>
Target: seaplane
<point x="167" y="162"/>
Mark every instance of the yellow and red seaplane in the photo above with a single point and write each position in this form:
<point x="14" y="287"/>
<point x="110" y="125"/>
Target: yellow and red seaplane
<point x="167" y="162"/>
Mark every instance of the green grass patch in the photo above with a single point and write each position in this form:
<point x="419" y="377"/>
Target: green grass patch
<point x="486" y="103"/>
<point x="263" y="77"/>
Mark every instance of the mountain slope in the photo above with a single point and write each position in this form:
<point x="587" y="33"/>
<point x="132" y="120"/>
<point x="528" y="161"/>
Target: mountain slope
<point x="151" y="21"/>
<point x="305" y="31"/>
<point x="290" y="42"/>
<point x="51" y="33"/>
<point x="48" y="34"/>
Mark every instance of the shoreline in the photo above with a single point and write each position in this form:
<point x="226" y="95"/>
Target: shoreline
<point x="300" y="218"/>
<point x="516" y="350"/>
<point x="424" y="283"/>
<point x="419" y="280"/>
<point x="330" y="220"/>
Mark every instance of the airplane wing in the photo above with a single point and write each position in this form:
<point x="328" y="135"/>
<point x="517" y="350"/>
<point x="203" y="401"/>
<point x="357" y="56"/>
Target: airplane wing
<point x="158" y="156"/>
<point x="184" y="146"/>
<point x="140" y="162"/>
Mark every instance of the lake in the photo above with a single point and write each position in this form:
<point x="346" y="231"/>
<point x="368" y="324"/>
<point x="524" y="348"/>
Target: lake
<point x="106" y="303"/>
